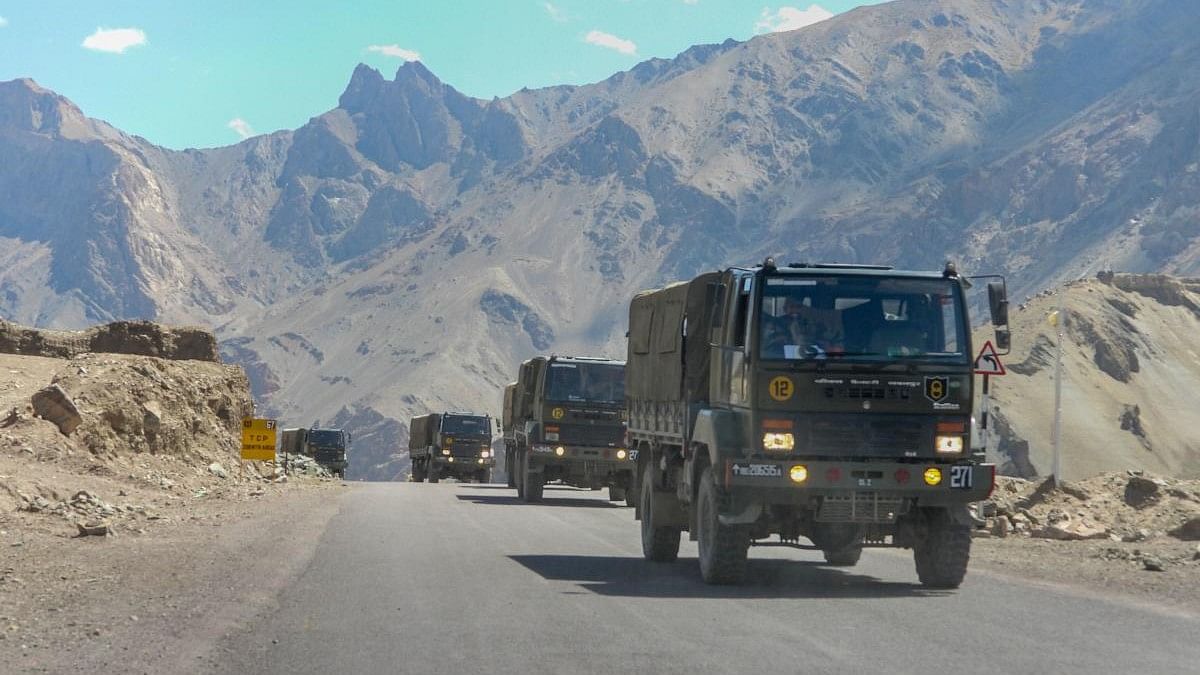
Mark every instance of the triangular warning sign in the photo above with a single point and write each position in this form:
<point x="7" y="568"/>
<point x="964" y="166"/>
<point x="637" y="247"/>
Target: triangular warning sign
<point x="988" y="361"/>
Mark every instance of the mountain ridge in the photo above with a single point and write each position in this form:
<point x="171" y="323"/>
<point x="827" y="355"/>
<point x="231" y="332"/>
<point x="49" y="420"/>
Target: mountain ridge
<point x="423" y="242"/>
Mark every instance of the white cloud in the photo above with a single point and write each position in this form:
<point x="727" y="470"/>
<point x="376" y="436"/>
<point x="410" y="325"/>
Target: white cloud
<point x="395" y="51"/>
<point x="556" y="13"/>
<point x="790" y="18"/>
<point x="241" y="127"/>
<point x="114" y="40"/>
<point x="609" y="41"/>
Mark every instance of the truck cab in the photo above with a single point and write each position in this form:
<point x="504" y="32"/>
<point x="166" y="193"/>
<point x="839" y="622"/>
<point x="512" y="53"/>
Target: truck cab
<point x="329" y="448"/>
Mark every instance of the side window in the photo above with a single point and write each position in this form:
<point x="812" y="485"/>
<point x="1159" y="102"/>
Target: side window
<point x="742" y="311"/>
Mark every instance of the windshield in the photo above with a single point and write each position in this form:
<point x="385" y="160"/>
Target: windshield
<point x="325" y="437"/>
<point x="466" y="424"/>
<point x="869" y="318"/>
<point x="590" y="382"/>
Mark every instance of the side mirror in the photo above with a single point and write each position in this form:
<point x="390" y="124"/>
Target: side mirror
<point x="1003" y="339"/>
<point x="998" y="302"/>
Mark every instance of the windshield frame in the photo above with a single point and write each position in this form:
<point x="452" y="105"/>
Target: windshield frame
<point x="338" y="437"/>
<point x="547" y="381"/>
<point x="964" y="358"/>
<point x="485" y="428"/>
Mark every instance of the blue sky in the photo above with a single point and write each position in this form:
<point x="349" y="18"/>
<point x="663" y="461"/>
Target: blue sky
<point x="202" y="73"/>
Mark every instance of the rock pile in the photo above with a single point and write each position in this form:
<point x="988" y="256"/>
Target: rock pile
<point x="1121" y="507"/>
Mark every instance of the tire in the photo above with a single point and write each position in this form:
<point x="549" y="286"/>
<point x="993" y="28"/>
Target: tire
<point x="509" y="469"/>
<point x="519" y="474"/>
<point x="433" y="472"/>
<point x="533" y="482"/>
<point x="659" y="543"/>
<point x="630" y="498"/>
<point x="847" y="557"/>
<point x="616" y="494"/>
<point x="942" y="555"/>
<point x="484" y="476"/>
<point x="723" y="548"/>
<point x="418" y="471"/>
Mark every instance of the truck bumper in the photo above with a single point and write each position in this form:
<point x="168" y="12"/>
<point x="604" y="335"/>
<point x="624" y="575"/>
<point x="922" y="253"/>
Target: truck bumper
<point x="464" y="464"/>
<point x="856" y="487"/>
<point x="580" y="459"/>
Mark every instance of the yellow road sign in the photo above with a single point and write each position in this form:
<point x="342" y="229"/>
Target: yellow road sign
<point x="258" y="439"/>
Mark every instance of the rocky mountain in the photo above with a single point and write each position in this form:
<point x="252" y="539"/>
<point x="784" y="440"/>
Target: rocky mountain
<point x="403" y="251"/>
<point x="1129" y="362"/>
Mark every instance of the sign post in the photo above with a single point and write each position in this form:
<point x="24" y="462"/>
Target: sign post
<point x="987" y="364"/>
<point x="258" y="439"/>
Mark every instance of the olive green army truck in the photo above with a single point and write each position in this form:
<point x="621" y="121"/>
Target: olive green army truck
<point x="328" y="447"/>
<point x="451" y="445"/>
<point x="829" y="402"/>
<point x="566" y="419"/>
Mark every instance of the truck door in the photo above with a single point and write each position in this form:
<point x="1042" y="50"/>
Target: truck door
<point x="733" y="349"/>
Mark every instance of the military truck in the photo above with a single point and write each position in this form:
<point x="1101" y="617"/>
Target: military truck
<point x="451" y="445"/>
<point x="830" y="402"/>
<point x="326" y="446"/>
<point x="565" y="419"/>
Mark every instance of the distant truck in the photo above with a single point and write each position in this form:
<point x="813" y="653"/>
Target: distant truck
<point x="451" y="445"/>
<point x="564" y="421"/>
<point x="328" y="447"/>
<point x="831" y="402"/>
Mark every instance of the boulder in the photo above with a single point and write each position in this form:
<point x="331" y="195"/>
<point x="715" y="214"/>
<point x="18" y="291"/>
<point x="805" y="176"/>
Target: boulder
<point x="54" y="405"/>
<point x="1141" y="491"/>
<point x="1189" y="531"/>
<point x="217" y="470"/>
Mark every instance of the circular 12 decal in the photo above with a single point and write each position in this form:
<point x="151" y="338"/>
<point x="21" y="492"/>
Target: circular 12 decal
<point x="557" y="413"/>
<point x="781" y="388"/>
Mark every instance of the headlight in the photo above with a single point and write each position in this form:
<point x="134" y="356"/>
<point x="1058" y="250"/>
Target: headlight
<point x="451" y="460"/>
<point x="621" y="454"/>
<point x="480" y="460"/>
<point x="445" y="451"/>
<point x="933" y="475"/>
<point x="560" y="451"/>
<point x="485" y="453"/>
<point x="949" y="445"/>
<point x="773" y="440"/>
<point x="798" y="473"/>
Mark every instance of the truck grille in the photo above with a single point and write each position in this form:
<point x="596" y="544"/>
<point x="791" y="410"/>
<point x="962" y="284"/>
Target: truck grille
<point x="593" y="435"/>
<point x="865" y="437"/>
<point x="861" y="507"/>
<point x="465" y="449"/>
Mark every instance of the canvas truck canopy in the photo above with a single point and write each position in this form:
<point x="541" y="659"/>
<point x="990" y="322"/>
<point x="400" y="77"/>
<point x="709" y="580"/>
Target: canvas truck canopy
<point x="422" y="429"/>
<point x="668" y="354"/>
<point x="507" y="416"/>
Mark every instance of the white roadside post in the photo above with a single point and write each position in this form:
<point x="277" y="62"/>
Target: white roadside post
<point x="1056" y="320"/>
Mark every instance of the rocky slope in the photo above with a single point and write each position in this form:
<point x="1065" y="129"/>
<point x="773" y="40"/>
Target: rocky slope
<point x="1130" y="359"/>
<point x="403" y="251"/>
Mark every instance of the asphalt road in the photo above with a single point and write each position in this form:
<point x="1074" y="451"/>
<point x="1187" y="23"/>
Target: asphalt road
<point x="447" y="578"/>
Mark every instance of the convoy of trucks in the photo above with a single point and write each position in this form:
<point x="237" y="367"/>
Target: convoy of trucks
<point x="827" y="402"/>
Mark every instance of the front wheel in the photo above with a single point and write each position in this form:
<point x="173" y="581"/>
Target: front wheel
<point x="532" y="482"/>
<point x="660" y="543"/>
<point x="509" y="469"/>
<point x="616" y="494"/>
<point x="942" y="554"/>
<point x="433" y="472"/>
<point x="723" y="548"/>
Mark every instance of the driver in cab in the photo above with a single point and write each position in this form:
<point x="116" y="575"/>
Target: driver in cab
<point x="802" y="332"/>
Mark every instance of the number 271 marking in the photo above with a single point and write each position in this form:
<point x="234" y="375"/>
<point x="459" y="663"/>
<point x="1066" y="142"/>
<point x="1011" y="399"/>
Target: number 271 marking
<point x="962" y="477"/>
